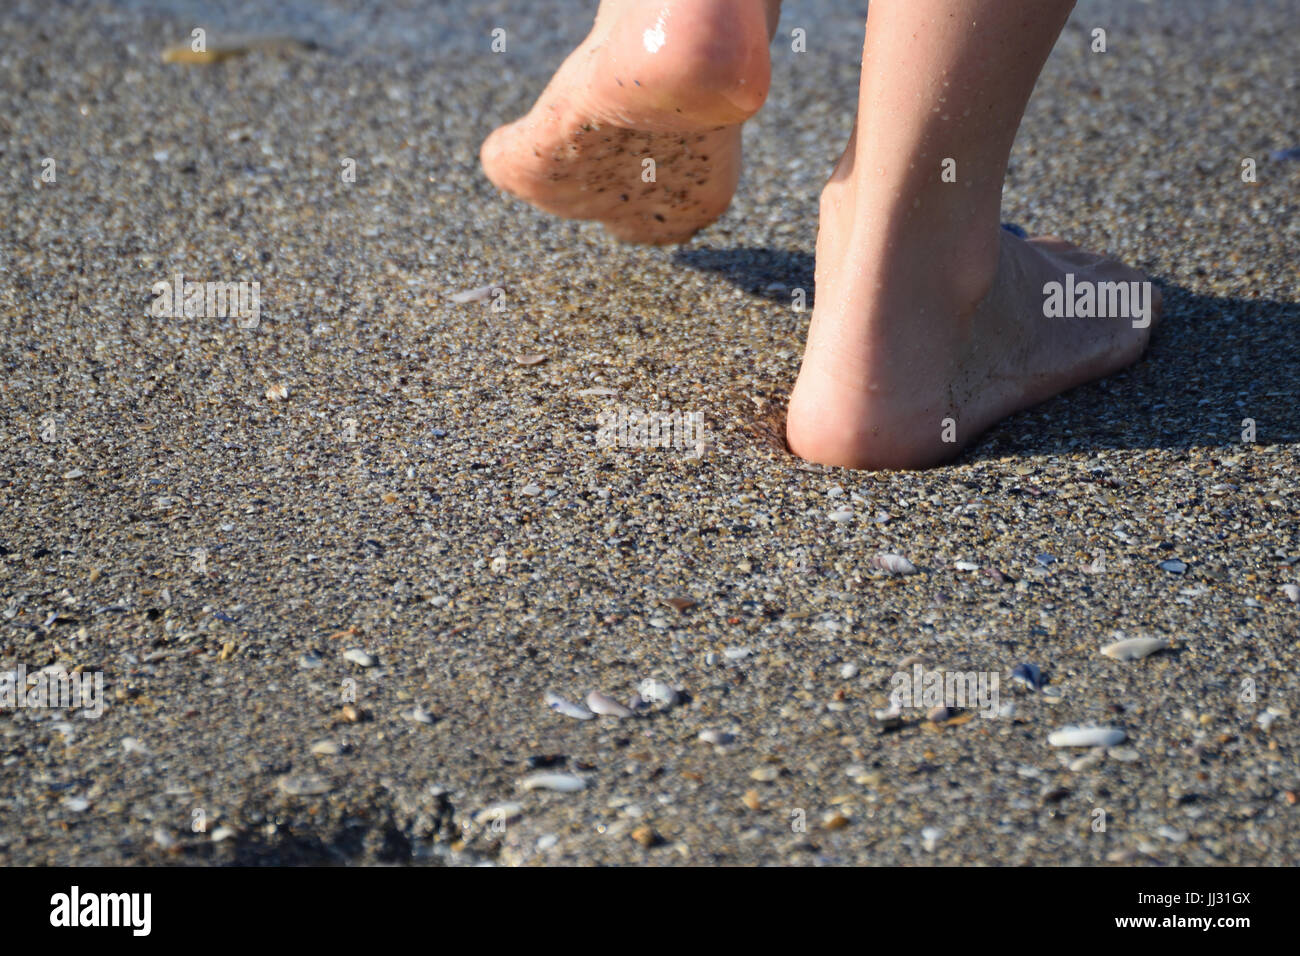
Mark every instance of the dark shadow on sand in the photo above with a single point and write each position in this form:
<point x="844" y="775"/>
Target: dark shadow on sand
<point x="1214" y="362"/>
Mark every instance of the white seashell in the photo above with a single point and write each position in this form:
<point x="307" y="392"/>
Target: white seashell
<point x="894" y="564"/>
<point x="1085" y="737"/>
<point x="657" y="692"/>
<point x="567" y="708"/>
<point x="848" y="671"/>
<point x="305" y="785"/>
<point x="1265" y="720"/>
<point x="503" y="812"/>
<point x="359" y="657"/>
<point x="277" y="393"/>
<point x="472" y="295"/>
<point x="326" y="748"/>
<point x="1088" y="760"/>
<point x="965" y="565"/>
<point x="600" y="704"/>
<point x="531" y="490"/>
<point x="419" y="715"/>
<point x="736" y="653"/>
<point x="718" y="737"/>
<point x="597" y="391"/>
<point x="1292" y="591"/>
<point x="76" y="804"/>
<point x="559" y="782"/>
<point x="1135" y="648"/>
<point x="222" y="833"/>
<point x="839" y="517"/>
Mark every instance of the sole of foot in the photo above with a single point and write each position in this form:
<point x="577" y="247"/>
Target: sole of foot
<point x="640" y="128"/>
<point x="902" y="371"/>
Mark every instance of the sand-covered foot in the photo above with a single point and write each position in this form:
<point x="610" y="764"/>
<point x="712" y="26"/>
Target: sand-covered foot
<point x="909" y="361"/>
<point x="640" y="127"/>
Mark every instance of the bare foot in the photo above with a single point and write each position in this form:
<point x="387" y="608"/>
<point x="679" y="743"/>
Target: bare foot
<point x="668" y="82"/>
<point x="909" y="359"/>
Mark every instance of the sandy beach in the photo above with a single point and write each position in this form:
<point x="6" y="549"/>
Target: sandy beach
<point x="331" y="559"/>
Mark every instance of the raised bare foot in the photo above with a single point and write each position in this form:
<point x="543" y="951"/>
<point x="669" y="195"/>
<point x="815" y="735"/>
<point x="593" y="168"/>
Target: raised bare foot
<point x="909" y="359"/>
<point x="669" y="82"/>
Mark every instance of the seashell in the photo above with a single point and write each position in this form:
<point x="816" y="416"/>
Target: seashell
<point x="894" y="564"/>
<point x="1029" y="675"/>
<point x="306" y="785"/>
<point x="716" y="737"/>
<point x="1085" y="737"/>
<point x="418" y="715"/>
<point x="1265" y="720"/>
<point x="929" y="837"/>
<point x="848" y="671"/>
<point x="839" y="517"/>
<point x="472" y="295"/>
<point x="559" y="782"/>
<point x="1292" y="591"/>
<point x="736" y="653"/>
<point x="965" y="566"/>
<point x="359" y="657"/>
<point x="326" y="748"/>
<point x="277" y="393"/>
<point x="1173" y="566"/>
<point x="588" y="392"/>
<point x="1088" y="760"/>
<point x="530" y="358"/>
<point x="502" y="812"/>
<point x="1134" y="648"/>
<point x="607" y="706"/>
<point x="567" y="708"/>
<point x="76" y="804"/>
<point x="531" y="491"/>
<point x="834" y="821"/>
<point x="765" y="774"/>
<point x="680" y="604"/>
<point x="657" y="692"/>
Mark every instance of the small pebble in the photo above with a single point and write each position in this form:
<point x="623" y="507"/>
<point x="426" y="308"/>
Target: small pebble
<point x="277" y="393"/>
<point x="326" y="748"/>
<point x="848" y="671"/>
<point x="1173" y="566"/>
<point x="530" y="358"/>
<point x="717" y="737"/>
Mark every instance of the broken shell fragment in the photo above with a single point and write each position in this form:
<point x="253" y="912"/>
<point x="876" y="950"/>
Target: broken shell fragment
<point x="657" y="692"/>
<point x="1134" y="648"/>
<point x="1029" y="675"/>
<point x="473" y="295"/>
<point x="530" y="358"/>
<point x="1085" y="737"/>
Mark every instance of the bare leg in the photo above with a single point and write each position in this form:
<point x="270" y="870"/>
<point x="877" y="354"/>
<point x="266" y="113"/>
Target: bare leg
<point x="669" y="82"/>
<point x="930" y="320"/>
